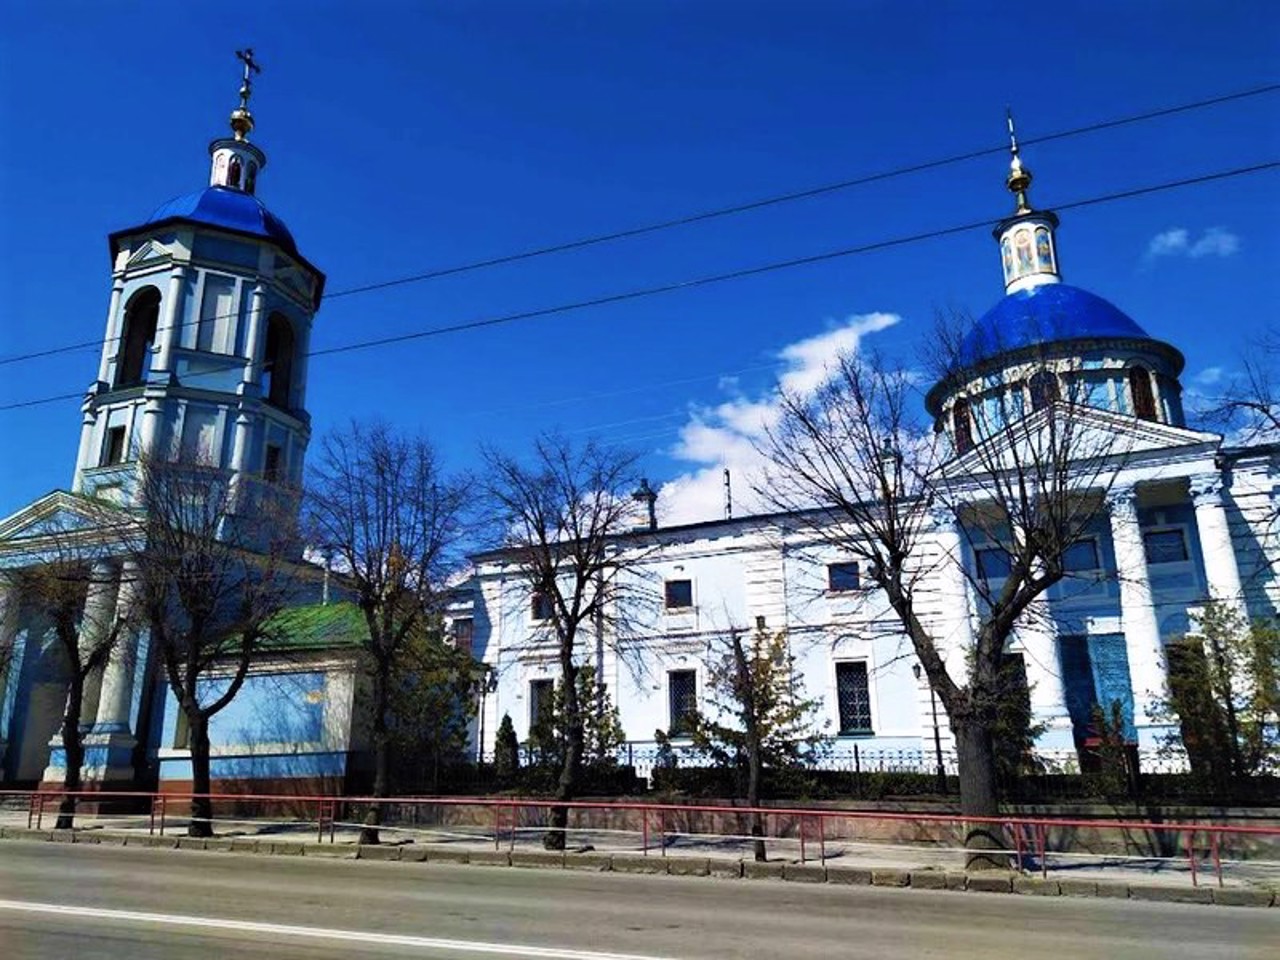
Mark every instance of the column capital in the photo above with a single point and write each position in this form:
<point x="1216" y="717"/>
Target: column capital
<point x="1122" y="501"/>
<point x="1206" y="489"/>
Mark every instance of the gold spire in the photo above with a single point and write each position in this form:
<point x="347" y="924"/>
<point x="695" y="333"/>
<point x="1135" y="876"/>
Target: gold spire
<point x="241" y="118"/>
<point x="1019" y="178"/>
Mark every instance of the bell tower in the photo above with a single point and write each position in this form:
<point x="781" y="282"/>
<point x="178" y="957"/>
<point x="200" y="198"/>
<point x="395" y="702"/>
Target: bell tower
<point x="204" y="356"/>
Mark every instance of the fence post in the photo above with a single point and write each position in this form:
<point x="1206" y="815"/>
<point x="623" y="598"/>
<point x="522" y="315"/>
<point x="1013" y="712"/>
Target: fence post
<point x="31" y="809"/>
<point x="644" y="830"/>
<point x="40" y="812"/>
<point x="319" y="821"/>
<point x="662" y="831"/>
<point x="1016" y="830"/>
<point x="511" y="838"/>
<point x="163" y="802"/>
<point x="1190" y="838"/>
<point x="1215" y="839"/>
<point x="1043" y="836"/>
<point x="497" y="827"/>
<point x="822" y="840"/>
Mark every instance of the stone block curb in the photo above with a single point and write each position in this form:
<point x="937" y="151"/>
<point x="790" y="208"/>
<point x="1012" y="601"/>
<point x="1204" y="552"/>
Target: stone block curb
<point x="985" y="883"/>
<point x="890" y="878"/>
<point x="1240" y="897"/>
<point x="599" y="862"/>
<point x="377" y="851"/>
<point x="815" y="872"/>
<point x="630" y="863"/>
<point x="849" y="876"/>
<point x="1078" y="888"/>
<point x="1149" y="891"/>
<point x="1037" y="887"/>
<point x="755" y="870"/>
<point x="332" y="851"/>
<point x="928" y="880"/>
<point x="538" y="858"/>
<point x="804" y="873"/>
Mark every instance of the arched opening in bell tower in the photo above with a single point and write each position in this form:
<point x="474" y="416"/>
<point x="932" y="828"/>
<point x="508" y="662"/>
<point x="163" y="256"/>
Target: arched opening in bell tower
<point x="277" y="364"/>
<point x="138" y="334"/>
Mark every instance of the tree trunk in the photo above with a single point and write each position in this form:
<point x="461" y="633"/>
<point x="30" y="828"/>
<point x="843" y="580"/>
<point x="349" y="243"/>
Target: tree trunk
<point x="201" y="804"/>
<point x="381" y="755"/>
<point x="978" y="796"/>
<point x="73" y="752"/>
<point x="753" y="799"/>
<point x="570" y="770"/>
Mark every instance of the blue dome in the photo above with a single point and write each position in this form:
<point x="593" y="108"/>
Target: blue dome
<point x="230" y="210"/>
<point x="1047" y="313"/>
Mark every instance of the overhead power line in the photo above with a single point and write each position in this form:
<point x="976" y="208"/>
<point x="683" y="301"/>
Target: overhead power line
<point x="704" y="216"/>
<point x="739" y="274"/>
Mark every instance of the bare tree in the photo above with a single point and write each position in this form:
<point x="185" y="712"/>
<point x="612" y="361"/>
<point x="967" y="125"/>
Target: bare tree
<point x="75" y="585"/>
<point x="864" y="475"/>
<point x="381" y="506"/>
<point x="1249" y="404"/>
<point x="215" y="568"/>
<point x="558" y="514"/>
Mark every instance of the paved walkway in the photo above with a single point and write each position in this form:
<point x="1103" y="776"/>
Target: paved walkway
<point x="842" y="853"/>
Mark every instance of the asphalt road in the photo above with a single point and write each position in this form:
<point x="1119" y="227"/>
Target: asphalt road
<point x="96" y="902"/>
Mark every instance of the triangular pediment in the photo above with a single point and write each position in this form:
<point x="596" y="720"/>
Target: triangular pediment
<point x="1088" y="434"/>
<point x="151" y="250"/>
<point x="61" y="519"/>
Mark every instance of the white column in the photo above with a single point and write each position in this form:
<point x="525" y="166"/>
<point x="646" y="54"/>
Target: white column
<point x="84" y="455"/>
<point x="1137" y="607"/>
<point x="1038" y="634"/>
<point x="1221" y="571"/>
<point x="115" y="698"/>
<point x="952" y="619"/>
<point x="169" y="333"/>
<point x="8" y="632"/>
<point x="99" y="617"/>
<point x="255" y="342"/>
<point x="111" y="339"/>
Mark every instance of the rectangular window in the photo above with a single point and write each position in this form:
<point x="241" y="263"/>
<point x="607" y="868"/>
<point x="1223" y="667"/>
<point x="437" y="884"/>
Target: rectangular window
<point x="541" y="702"/>
<point x="682" y="702"/>
<point x="842" y="577"/>
<point x="540" y="607"/>
<point x="994" y="563"/>
<point x="463" y="634"/>
<point x="853" y="697"/>
<point x="114" y="452"/>
<point x="271" y="463"/>
<point x="679" y="594"/>
<point x="1081" y="557"/>
<point x="1165" y="546"/>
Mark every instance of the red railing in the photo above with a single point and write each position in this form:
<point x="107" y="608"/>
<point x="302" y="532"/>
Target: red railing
<point x="1025" y="837"/>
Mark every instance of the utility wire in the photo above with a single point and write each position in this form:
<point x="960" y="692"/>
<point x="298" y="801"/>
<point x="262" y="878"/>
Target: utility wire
<point x="707" y="215"/>
<point x="696" y="282"/>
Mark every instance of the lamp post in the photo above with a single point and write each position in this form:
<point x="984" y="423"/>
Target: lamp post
<point x="937" y="736"/>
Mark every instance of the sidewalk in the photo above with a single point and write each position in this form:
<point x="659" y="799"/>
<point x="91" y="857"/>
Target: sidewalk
<point x="836" y="861"/>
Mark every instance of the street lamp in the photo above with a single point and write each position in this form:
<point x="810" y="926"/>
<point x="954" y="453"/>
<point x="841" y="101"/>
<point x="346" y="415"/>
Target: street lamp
<point x="937" y="737"/>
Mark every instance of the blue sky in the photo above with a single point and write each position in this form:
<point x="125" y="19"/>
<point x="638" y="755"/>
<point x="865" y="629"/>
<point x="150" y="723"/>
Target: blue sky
<point x="404" y="137"/>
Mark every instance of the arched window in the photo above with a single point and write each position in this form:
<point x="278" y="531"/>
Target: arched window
<point x="277" y="365"/>
<point x="251" y="177"/>
<point x="220" y="170"/>
<point x="1144" y="400"/>
<point x="1044" y="390"/>
<point x="233" y="172"/>
<point x="962" y="426"/>
<point x="133" y="356"/>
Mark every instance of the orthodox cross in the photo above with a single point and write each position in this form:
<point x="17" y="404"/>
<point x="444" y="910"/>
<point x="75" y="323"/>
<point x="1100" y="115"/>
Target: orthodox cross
<point x="251" y="67"/>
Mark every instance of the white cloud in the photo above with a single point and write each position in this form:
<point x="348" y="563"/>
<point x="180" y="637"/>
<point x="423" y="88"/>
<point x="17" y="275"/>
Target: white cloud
<point x="726" y="434"/>
<point x="1209" y="376"/>
<point x="1177" y="242"/>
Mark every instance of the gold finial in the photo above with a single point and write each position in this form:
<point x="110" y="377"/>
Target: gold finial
<point x="241" y="118"/>
<point x="1019" y="178"/>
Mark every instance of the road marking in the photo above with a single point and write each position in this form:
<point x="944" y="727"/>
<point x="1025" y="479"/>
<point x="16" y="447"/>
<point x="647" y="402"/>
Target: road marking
<point x="318" y="933"/>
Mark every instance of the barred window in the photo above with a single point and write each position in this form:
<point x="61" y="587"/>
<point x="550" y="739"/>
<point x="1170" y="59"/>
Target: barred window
<point x="541" y="693"/>
<point x="464" y="629"/>
<point x="682" y="701"/>
<point x="1165" y="546"/>
<point x="853" y="697"/>
<point x="540" y="607"/>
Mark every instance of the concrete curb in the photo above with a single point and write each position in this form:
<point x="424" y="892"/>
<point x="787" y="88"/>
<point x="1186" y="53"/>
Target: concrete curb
<point x="785" y="871"/>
